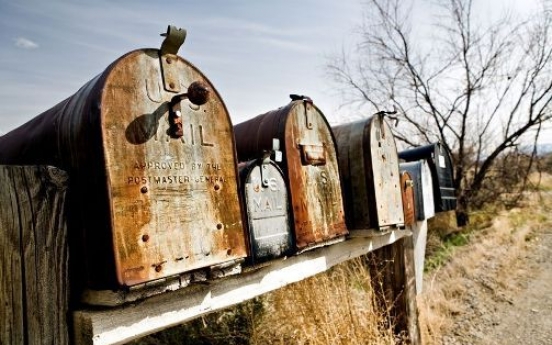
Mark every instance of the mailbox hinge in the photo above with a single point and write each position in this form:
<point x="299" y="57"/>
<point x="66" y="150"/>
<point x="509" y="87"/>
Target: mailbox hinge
<point x="174" y="38"/>
<point x="306" y="100"/>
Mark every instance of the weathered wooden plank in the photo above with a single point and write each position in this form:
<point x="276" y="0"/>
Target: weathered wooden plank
<point x="123" y="324"/>
<point x="394" y="283"/>
<point x="419" y="237"/>
<point x="33" y="256"/>
<point x="410" y="292"/>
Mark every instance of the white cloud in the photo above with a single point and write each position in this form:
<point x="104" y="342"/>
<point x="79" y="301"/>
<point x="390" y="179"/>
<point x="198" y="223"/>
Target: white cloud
<point x="25" y="43"/>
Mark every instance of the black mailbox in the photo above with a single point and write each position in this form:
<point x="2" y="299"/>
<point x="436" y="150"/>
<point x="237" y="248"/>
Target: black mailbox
<point x="265" y="195"/>
<point x="440" y="165"/>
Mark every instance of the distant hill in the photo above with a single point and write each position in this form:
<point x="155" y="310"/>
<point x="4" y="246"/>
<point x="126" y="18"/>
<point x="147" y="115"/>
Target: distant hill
<point x="542" y="149"/>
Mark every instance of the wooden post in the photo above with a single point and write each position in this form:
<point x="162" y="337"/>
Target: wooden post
<point x="33" y="256"/>
<point x="394" y="284"/>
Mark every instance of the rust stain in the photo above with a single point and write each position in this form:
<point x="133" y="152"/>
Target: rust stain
<point x="407" y="185"/>
<point x="146" y="204"/>
<point x="369" y="169"/>
<point x="193" y="218"/>
<point x="312" y="174"/>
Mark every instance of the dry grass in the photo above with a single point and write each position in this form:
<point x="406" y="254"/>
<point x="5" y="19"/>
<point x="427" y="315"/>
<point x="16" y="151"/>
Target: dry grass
<point x="337" y="307"/>
<point x="491" y="259"/>
<point x="332" y="308"/>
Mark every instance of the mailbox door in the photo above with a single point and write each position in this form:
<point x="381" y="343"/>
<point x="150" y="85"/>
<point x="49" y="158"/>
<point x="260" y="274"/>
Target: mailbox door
<point x="174" y="201"/>
<point x="381" y="153"/>
<point x="414" y="169"/>
<point x="266" y="202"/>
<point x="443" y="164"/>
<point x="313" y="176"/>
<point x="423" y="188"/>
<point x="407" y="185"/>
<point x="369" y="169"/>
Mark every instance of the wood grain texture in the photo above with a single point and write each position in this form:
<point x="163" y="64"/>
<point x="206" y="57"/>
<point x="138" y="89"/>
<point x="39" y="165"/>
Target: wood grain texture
<point x="33" y="256"/>
<point x="394" y="283"/>
<point x="123" y="324"/>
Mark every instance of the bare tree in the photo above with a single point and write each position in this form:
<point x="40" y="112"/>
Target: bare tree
<point x="481" y="87"/>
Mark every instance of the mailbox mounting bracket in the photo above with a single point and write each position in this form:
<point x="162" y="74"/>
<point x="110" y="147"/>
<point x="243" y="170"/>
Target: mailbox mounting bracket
<point x="265" y="161"/>
<point x="174" y="38"/>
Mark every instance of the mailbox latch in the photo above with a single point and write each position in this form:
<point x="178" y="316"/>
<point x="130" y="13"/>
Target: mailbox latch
<point x="313" y="154"/>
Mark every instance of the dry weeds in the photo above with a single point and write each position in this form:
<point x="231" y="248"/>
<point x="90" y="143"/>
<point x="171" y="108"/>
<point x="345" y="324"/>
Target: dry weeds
<point x="337" y="307"/>
<point x="332" y="308"/>
<point x="490" y="260"/>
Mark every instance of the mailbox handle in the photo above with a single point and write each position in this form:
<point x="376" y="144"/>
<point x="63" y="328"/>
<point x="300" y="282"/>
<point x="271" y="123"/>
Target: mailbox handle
<point x="313" y="154"/>
<point x="198" y="93"/>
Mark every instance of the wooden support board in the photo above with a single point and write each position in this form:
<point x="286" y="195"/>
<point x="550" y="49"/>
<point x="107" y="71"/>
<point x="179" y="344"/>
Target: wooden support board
<point x="34" y="291"/>
<point x="419" y="236"/>
<point x="394" y="283"/>
<point x="125" y="323"/>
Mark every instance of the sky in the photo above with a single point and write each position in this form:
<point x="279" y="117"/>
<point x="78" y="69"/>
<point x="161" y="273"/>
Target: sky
<point x="255" y="53"/>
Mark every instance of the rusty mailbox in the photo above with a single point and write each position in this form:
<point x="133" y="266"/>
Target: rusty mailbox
<point x="408" y="198"/>
<point x="369" y="169"/>
<point x="420" y="174"/>
<point x="440" y="163"/>
<point x="309" y="165"/>
<point x="150" y="151"/>
<point x="266" y="203"/>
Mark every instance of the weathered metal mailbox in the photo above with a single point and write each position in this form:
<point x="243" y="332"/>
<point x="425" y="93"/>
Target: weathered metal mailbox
<point x="409" y="203"/>
<point x="309" y="165"/>
<point x="440" y="164"/>
<point x="149" y="148"/>
<point x="266" y="203"/>
<point x="369" y="169"/>
<point x="423" y="188"/>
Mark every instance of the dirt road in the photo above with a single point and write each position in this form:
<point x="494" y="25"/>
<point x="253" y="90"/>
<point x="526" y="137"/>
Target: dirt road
<point x="527" y="318"/>
<point x="519" y="312"/>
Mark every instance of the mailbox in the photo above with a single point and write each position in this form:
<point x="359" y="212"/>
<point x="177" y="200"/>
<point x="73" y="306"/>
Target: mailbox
<point x="266" y="203"/>
<point x="369" y="169"/>
<point x="309" y="166"/>
<point x="423" y="188"/>
<point x="409" y="203"/>
<point x="149" y="148"/>
<point x="440" y="164"/>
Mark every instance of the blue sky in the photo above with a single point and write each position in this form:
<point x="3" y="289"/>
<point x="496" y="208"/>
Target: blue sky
<point x="255" y="53"/>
